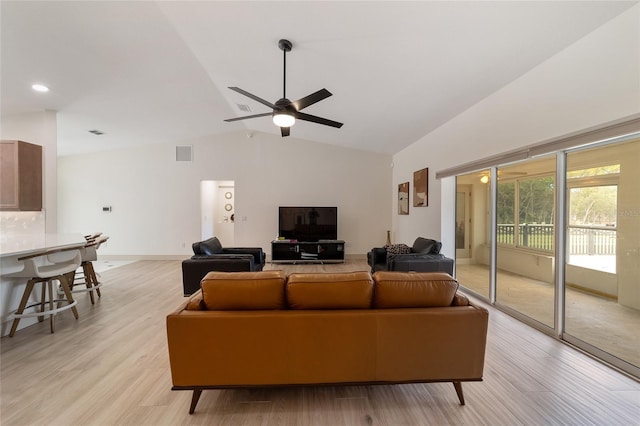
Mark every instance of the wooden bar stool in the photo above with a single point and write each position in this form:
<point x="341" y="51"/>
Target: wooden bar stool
<point x="38" y="270"/>
<point x="88" y="276"/>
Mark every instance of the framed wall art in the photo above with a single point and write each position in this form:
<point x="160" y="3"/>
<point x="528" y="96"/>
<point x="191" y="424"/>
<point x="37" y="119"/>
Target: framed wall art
<point x="403" y="198"/>
<point x="421" y="188"/>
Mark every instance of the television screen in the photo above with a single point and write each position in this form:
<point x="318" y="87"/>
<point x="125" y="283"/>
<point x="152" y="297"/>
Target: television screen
<point x="308" y="223"/>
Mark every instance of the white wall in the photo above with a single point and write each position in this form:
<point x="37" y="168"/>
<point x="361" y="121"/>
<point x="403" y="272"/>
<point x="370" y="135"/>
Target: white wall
<point x="156" y="200"/>
<point x="38" y="128"/>
<point x="593" y="81"/>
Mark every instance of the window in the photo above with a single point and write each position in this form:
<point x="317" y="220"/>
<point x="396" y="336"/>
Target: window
<point x="592" y="224"/>
<point x="535" y="213"/>
<point x="526" y="208"/>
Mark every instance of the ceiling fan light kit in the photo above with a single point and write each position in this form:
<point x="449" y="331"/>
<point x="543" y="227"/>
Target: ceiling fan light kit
<point x="283" y="119"/>
<point x="284" y="112"/>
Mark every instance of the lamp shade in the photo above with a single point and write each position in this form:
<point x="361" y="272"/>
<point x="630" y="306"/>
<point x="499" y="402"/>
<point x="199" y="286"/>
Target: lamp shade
<point x="283" y="119"/>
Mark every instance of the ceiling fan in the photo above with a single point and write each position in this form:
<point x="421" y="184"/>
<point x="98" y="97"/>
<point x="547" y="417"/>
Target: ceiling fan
<point x="285" y="113"/>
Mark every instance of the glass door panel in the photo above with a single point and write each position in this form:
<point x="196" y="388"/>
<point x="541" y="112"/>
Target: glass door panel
<point x="525" y="273"/>
<point x="473" y="245"/>
<point x="602" y="293"/>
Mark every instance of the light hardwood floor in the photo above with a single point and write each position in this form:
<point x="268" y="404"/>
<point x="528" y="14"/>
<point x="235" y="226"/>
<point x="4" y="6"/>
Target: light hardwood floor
<point x="111" y="367"/>
<point x="596" y="320"/>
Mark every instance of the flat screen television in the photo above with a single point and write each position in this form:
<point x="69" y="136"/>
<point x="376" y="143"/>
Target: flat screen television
<point x="308" y="224"/>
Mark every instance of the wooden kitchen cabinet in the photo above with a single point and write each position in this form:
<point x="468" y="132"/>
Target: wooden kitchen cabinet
<point x="20" y="176"/>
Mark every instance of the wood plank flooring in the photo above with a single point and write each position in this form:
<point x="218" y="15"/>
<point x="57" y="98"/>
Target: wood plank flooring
<point x="111" y="367"/>
<point x="601" y="322"/>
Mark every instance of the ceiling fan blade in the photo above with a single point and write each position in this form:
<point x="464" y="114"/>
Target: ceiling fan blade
<point x="254" y="97"/>
<point x="319" y="120"/>
<point x="311" y="99"/>
<point x="285" y="131"/>
<point x="264" y="114"/>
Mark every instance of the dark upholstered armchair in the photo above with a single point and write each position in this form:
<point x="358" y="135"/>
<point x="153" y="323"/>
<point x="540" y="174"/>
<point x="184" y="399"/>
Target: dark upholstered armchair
<point x="209" y="255"/>
<point x="423" y="256"/>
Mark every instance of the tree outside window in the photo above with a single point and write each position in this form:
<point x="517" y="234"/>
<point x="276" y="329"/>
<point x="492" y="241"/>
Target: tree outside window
<point x="533" y="200"/>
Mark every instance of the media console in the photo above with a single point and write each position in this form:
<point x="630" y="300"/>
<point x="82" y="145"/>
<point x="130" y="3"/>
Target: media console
<point x="288" y="251"/>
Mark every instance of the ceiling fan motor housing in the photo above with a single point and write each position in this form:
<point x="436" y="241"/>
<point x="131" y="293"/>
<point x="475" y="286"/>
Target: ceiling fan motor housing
<point x="284" y="104"/>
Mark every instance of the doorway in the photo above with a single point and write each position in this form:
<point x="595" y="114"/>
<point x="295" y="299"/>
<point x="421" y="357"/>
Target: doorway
<point x="217" y="210"/>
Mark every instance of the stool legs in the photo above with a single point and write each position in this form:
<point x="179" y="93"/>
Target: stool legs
<point x="43" y="298"/>
<point x="47" y="284"/>
<point x="94" y="279"/>
<point x="64" y="283"/>
<point x="52" y="318"/>
<point x="90" y="281"/>
<point x="23" y="304"/>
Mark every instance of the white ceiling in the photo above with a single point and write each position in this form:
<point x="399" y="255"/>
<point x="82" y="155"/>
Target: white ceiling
<point x="157" y="72"/>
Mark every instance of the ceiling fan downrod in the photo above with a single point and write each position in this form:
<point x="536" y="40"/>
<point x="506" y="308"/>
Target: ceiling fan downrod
<point x="285" y="46"/>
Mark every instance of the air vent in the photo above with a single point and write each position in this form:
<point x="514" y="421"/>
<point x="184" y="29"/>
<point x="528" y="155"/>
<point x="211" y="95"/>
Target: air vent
<point x="184" y="153"/>
<point x="96" y="132"/>
<point x="244" y="108"/>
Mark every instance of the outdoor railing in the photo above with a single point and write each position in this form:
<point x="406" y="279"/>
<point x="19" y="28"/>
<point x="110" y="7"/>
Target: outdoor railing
<point x="594" y="240"/>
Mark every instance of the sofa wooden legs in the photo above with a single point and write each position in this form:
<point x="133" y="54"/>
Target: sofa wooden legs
<point x="197" y="392"/>
<point x="458" y="386"/>
<point x="194" y="400"/>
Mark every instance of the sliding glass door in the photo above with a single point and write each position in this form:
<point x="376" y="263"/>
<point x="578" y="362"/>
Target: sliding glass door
<point x="602" y="292"/>
<point x="473" y="242"/>
<point x="555" y="242"/>
<point x="525" y="235"/>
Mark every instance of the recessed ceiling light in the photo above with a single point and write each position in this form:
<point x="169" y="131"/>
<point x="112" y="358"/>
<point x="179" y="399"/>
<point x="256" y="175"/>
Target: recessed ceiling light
<point x="40" y="88"/>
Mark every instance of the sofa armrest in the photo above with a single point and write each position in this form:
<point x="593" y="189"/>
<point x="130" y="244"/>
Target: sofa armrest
<point x="194" y="269"/>
<point x="195" y="302"/>
<point x="377" y="255"/>
<point x="256" y="252"/>
<point x="460" y="300"/>
<point x="219" y="256"/>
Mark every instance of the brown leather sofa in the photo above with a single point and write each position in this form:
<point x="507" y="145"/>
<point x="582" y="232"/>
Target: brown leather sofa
<point x="261" y="329"/>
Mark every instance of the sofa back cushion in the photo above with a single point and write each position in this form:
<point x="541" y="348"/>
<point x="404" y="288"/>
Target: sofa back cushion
<point x="243" y="290"/>
<point x="347" y="290"/>
<point x="209" y="247"/>
<point x="413" y="289"/>
<point x="426" y="246"/>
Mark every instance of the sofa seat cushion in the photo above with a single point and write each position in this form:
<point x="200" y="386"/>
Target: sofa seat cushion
<point x="347" y="290"/>
<point x="413" y="290"/>
<point x="262" y="290"/>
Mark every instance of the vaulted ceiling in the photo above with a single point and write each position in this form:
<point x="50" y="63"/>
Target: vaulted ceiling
<point x="158" y="72"/>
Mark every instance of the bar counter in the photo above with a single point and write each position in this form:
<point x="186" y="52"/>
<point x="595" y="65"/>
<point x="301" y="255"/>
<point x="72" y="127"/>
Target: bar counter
<point x="13" y="247"/>
<point x="22" y="245"/>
